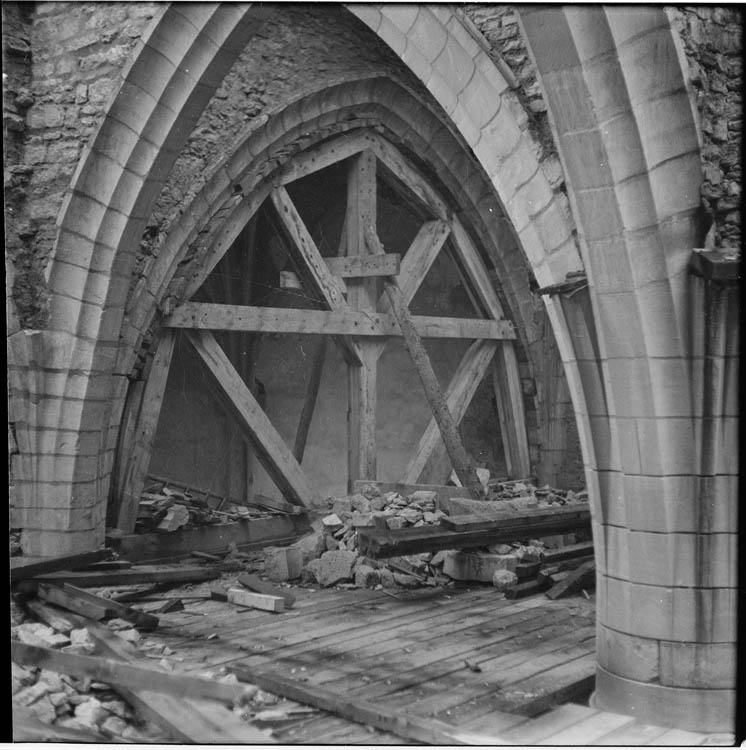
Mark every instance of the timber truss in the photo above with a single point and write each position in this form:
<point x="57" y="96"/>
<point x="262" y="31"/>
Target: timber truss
<point x="359" y="318"/>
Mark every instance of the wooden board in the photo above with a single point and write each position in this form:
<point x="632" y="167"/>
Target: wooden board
<point x="137" y="456"/>
<point x="266" y="602"/>
<point x="582" y="577"/>
<point x="121" y="674"/>
<point x="136" y="574"/>
<point x="254" y="583"/>
<point x="383" y="543"/>
<point x="23" y="568"/>
<point x="430" y="731"/>
<point x="185" y="719"/>
<point x="355" y="266"/>
<point x="506" y="518"/>
<point x="271" y="449"/>
<point x="250" y="319"/>
<point x="213" y="538"/>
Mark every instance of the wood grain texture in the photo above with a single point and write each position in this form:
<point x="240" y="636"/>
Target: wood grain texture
<point x="271" y="449"/>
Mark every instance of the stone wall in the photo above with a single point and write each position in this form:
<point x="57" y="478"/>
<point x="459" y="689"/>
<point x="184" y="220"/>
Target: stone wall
<point x="56" y="95"/>
<point x="713" y="45"/>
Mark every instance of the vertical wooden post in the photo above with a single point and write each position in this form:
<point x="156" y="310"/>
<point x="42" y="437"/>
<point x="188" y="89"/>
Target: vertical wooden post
<point x="309" y="403"/>
<point x="138" y="460"/>
<point x="362" y="295"/>
<point x="509" y="396"/>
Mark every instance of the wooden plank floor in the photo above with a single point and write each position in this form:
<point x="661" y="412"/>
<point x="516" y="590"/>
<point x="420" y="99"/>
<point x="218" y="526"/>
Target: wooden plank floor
<point x="467" y="656"/>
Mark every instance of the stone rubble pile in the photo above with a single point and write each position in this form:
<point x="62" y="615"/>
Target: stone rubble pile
<point x="328" y="556"/>
<point x="64" y="701"/>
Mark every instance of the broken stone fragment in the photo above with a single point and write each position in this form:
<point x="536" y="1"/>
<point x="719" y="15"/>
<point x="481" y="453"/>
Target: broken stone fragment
<point x="501" y="549"/>
<point x="396" y="522"/>
<point x="81" y="637"/>
<point x="30" y="694"/>
<point x="377" y="503"/>
<point x="432" y="517"/>
<point x="36" y="634"/>
<point x="387" y="577"/>
<point x="113" y="726"/>
<point x="282" y="563"/>
<point x="59" y="700"/>
<point x="366" y="577"/>
<point x="406" y="581"/>
<point x="117" y="623"/>
<point x="341" y="505"/>
<point x="118" y="708"/>
<point x="44" y="710"/>
<point x="311" y="546"/>
<point x="439" y="557"/>
<point x="504" y="579"/>
<point x="176" y="517"/>
<point x="361" y="519"/>
<point x="332" y="522"/>
<point x="52" y="680"/>
<point x="309" y="572"/>
<point x="130" y="635"/>
<point x="410" y="515"/>
<point x="360" y="503"/>
<point x="21" y="677"/>
<point x="336" y="567"/>
<point x="331" y="543"/>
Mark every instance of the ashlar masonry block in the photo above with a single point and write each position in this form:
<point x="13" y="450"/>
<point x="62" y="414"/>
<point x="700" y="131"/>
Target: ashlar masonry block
<point x="628" y="655"/>
<point x="699" y="665"/>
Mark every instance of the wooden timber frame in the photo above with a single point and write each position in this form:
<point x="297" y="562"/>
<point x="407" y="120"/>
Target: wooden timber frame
<point x="359" y="317"/>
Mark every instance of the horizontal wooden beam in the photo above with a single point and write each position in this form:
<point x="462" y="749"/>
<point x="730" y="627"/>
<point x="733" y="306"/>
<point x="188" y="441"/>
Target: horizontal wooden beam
<point x="382" y="543"/>
<point x="356" y="266"/>
<point x="209" y="316"/>
<point x="23" y="568"/>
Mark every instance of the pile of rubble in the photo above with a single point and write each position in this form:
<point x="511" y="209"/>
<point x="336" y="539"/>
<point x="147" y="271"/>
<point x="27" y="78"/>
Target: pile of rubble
<point x="329" y="555"/>
<point x="76" y="704"/>
<point x="164" y="509"/>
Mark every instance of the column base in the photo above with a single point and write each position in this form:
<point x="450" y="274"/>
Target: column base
<point x="693" y="709"/>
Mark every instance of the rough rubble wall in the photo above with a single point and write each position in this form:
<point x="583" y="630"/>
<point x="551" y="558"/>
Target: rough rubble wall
<point x="713" y="45"/>
<point x="301" y="48"/>
<point x="75" y="54"/>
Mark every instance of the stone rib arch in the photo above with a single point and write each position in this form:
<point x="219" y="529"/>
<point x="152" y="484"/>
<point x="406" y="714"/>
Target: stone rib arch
<point x="636" y="201"/>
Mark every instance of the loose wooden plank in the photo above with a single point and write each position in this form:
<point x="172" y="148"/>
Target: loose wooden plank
<point x="273" y="503"/>
<point x="460" y="460"/>
<point x="122" y="674"/>
<point x="382" y="543"/>
<point x="136" y="574"/>
<point x="214" y="538"/>
<point x="27" y="727"/>
<point x="271" y="449"/>
<point x="258" y="601"/>
<point x="51" y="616"/>
<point x="314" y="267"/>
<point x="137" y="458"/>
<point x="526" y="589"/>
<point x="504" y="519"/>
<point x="461" y="390"/>
<point x="309" y="401"/>
<point x="189" y="720"/>
<point x="547" y="571"/>
<point x="408" y="726"/>
<point x="22" y="569"/>
<point x="582" y="577"/>
<point x="96" y="610"/>
<point x="254" y="583"/>
<point x="582" y="549"/>
<point x="83" y="602"/>
<point x="356" y="266"/>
